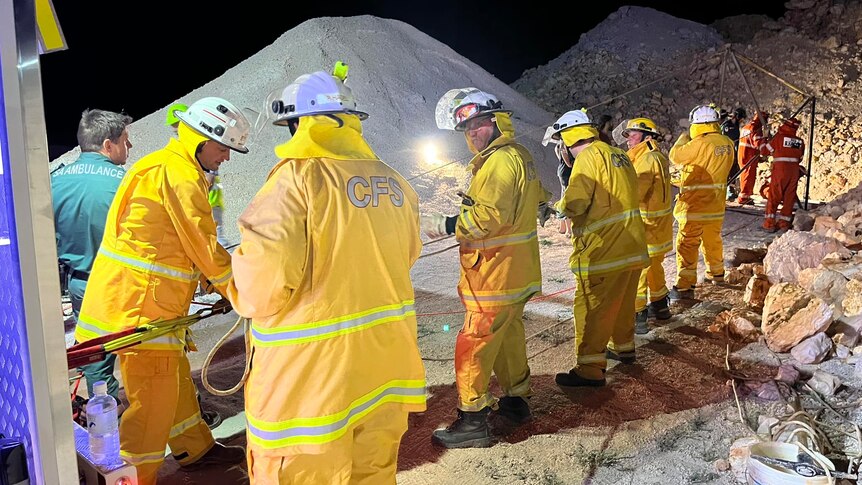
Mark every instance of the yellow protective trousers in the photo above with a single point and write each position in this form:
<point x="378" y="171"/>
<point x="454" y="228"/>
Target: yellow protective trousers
<point x="368" y="455"/>
<point x="491" y="340"/>
<point x="651" y="285"/>
<point x="694" y="235"/>
<point x="604" y="319"/>
<point x="163" y="410"/>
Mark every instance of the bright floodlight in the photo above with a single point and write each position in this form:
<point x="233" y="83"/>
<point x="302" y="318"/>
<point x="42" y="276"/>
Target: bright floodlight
<point x="430" y="154"/>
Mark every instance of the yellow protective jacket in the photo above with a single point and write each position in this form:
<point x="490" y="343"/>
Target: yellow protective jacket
<point x="705" y="157"/>
<point x="159" y="237"/>
<point x="653" y="170"/>
<point x="602" y="201"/>
<point x="497" y="231"/>
<point x="324" y="272"/>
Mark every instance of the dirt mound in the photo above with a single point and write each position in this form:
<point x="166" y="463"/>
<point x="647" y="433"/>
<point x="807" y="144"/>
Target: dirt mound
<point x="397" y="74"/>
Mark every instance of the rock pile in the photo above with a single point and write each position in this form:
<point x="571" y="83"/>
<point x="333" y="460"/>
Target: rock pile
<point x="815" y="46"/>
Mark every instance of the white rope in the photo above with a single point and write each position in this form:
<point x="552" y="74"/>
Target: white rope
<point x="221" y="342"/>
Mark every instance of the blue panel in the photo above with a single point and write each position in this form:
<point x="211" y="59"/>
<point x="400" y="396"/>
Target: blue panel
<point x="16" y="391"/>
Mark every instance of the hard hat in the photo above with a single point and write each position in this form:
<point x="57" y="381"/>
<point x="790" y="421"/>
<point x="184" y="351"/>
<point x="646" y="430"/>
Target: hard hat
<point x="171" y="118"/>
<point x="703" y="114"/>
<point x="218" y="120"/>
<point x="312" y="94"/>
<point x="645" y="125"/>
<point x="740" y="113"/>
<point x="475" y="105"/>
<point x="568" y="120"/>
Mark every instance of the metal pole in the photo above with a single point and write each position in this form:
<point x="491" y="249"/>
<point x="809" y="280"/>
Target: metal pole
<point x="810" y="149"/>
<point x="747" y="87"/>
<point x="770" y="74"/>
<point x="721" y="82"/>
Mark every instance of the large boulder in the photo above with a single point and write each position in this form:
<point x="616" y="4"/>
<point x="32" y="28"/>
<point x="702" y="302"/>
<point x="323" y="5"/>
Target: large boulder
<point x="795" y="251"/>
<point x="826" y="284"/>
<point x="790" y="315"/>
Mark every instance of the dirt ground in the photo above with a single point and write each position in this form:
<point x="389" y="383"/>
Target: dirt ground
<point x="668" y="417"/>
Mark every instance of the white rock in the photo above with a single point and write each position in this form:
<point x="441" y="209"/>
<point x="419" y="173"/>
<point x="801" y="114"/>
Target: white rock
<point x="813" y="349"/>
<point x="824" y="283"/>
<point x="790" y="315"/>
<point x="795" y="251"/>
<point x="825" y="383"/>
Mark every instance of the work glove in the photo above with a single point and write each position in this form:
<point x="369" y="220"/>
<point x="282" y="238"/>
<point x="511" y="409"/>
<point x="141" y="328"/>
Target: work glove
<point x="433" y="225"/>
<point x="206" y="285"/>
<point x="545" y="213"/>
<point x="222" y="306"/>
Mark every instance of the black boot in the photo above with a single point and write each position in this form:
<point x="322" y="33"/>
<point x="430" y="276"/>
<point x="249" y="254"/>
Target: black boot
<point x="641" y="327"/>
<point x="514" y="408"/>
<point x="624" y="357"/>
<point x="658" y="309"/>
<point x="572" y="379"/>
<point x="470" y="430"/>
<point x="677" y="295"/>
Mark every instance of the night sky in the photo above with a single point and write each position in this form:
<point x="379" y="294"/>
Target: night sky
<point x="139" y="62"/>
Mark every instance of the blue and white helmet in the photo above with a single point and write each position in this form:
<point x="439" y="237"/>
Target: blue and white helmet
<point x="312" y="94"/>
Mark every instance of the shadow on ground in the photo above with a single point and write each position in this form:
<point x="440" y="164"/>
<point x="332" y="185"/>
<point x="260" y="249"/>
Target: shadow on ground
<point x="683" y="370"/>
<point x="678" y="369"/>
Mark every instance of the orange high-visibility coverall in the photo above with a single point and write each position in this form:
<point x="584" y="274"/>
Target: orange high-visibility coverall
<point x="786" y="150"/>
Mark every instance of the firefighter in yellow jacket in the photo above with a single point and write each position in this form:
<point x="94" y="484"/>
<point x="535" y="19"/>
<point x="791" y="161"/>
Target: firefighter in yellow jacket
<point x="323" y="270"/>
<point x="500" y="270"/>
<point x="159" y="240"/>
<point x="705" y="157"/>
<point x="641" y="136"/>
<point x="609" y="248"/>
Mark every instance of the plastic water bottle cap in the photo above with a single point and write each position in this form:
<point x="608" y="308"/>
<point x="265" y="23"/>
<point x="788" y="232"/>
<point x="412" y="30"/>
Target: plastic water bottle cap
<point x="100" y="388"/>
<point x="446" y="328"/>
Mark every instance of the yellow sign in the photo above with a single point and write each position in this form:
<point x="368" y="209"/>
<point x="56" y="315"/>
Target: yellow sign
<point x="50" y="34"/>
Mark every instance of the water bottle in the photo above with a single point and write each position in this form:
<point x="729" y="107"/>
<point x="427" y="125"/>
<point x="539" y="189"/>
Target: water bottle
<point x="103" y="427"/>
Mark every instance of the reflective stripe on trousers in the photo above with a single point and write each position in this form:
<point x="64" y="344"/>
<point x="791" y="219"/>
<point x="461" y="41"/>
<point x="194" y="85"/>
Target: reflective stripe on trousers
<point x="324" y="429"/>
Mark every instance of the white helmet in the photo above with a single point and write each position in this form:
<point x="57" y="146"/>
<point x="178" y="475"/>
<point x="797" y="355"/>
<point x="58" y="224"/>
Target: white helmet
<point x="568" y="120"/>
<point x="458" y="106"/>
<point x="218" y="120"/>
<point x="317" y="93"/>
<point x="703" y="114"/>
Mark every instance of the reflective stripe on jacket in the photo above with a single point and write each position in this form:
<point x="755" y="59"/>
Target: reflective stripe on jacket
<point x="159" y="238"/>
<point x="324" y="272"/>
<point x="751" y="142"/>
<point x="602" y="201"/>
<point x="653" y="171"/>
<point x="499" y="245"/>
<point x="705" y="159"/>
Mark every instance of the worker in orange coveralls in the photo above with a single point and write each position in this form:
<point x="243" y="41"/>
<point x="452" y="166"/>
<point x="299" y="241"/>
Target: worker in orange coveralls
<point x="786" y="150"/>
